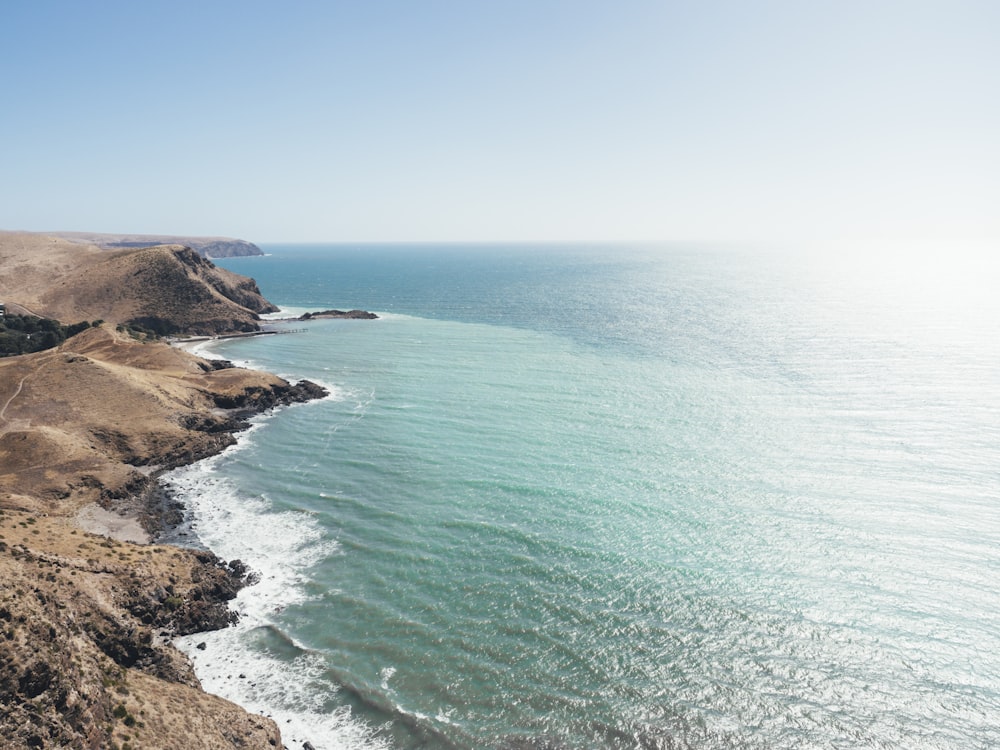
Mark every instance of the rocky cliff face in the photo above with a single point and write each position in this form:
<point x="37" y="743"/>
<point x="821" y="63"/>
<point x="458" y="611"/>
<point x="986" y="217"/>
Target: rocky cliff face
<point x="171" y="289"/>
<point x="84" y="656"/>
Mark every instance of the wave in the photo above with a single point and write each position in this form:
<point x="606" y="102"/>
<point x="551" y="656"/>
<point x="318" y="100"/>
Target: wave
<point x="204" y="348"/>
<point x="284" y="313"/>
<point x="255" y="663"/>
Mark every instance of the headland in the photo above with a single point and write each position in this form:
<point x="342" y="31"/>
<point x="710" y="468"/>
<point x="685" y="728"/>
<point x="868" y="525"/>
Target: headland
<point x="210" y="247"/>
<point x="89" y="605"/>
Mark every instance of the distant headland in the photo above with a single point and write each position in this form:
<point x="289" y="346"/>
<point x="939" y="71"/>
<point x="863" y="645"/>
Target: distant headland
<point x="209" y="247"/>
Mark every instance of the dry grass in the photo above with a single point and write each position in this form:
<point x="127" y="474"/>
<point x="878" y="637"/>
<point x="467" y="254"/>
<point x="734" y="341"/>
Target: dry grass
<point x="80" y="667"/>
<point x="85" y="422"/>
<point x="168" y="289"/>
<point x="84" y="619"/>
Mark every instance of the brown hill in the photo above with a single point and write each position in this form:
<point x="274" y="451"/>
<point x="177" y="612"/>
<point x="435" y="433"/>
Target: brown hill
<point x="167" y="289"/>
<point x="89" y="420"/>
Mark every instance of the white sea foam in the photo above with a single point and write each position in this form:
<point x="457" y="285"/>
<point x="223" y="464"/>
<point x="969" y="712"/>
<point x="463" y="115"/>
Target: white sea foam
<point x="238" y="663"/>
<point x="200" y="348"/>
<point x="285" y="313"/>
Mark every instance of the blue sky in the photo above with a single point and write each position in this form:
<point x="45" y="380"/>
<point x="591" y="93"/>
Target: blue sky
<point x="502" y="120"/>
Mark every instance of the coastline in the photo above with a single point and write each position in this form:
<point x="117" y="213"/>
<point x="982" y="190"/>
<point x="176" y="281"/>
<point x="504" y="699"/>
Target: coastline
<point x="222" y="519"/>
<point x="89" y="515"/>
<point x="99" y="577"/>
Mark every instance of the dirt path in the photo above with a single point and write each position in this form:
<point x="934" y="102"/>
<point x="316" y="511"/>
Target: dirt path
<point x="3" y="411"/>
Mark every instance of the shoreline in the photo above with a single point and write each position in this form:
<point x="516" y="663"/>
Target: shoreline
<point x="191" y="344"/>
<point x="97" y="511"/>
<point x="222" y="658"/>
<point x="101" y="575"/>
<point x="92" y="598"/>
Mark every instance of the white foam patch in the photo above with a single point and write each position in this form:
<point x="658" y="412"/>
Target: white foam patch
<point x="203" y="348"/>
<point x="385" y="675"/>
<point x="233" y="663"/>
<point x="286" y="313"/>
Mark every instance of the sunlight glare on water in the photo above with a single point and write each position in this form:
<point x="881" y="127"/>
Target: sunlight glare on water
<point x="673" y="497"/>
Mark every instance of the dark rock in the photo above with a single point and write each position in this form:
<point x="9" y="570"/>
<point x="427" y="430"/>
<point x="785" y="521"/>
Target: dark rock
<point x="202" y="646"/>
<point x="211" y="365"/>
<point x="201" y="422"/>
<point x="126" y="645"/>
<point x="349" y="314"/>
<point x="306" y="390"/>
<point x="203" y="607"/>
<point x="35" y="680"/>
<point x="257" y="399"/>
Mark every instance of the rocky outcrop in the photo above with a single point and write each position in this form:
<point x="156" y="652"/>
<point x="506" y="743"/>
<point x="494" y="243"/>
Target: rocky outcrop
<point x="350" y="314"/>
<point x="84" y="662"/>
<point x="256" y="399"/>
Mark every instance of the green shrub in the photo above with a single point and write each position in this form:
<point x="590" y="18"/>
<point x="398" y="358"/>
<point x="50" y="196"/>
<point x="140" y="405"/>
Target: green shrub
<point x="23" y="334"/>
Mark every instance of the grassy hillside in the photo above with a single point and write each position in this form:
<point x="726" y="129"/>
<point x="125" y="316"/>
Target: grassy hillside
<point x="167" y="289"/>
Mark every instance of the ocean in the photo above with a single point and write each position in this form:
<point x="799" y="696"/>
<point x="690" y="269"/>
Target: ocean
<point x="614" y="496"/>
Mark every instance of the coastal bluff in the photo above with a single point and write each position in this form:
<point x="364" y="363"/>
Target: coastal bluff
<point x="88" y="605"/>
<point x="209" y="247"/>
<point x="166" y="289"/>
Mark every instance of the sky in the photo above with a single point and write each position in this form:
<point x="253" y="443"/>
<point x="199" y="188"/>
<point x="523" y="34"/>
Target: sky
<point x="502" y="120"/>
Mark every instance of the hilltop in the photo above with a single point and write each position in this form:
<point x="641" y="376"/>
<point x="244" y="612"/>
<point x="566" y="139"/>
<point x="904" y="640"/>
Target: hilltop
<point x="166" y="289"/>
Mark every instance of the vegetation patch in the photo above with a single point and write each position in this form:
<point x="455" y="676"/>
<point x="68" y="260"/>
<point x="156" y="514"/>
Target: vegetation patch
<point x="23" y="334"/>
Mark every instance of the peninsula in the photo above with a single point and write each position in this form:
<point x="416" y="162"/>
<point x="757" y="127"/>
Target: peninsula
<point x="209" y="247"/>
<point x="88" y="605"/>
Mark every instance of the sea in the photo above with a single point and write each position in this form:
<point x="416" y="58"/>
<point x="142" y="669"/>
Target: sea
<point x="586" y="496"/>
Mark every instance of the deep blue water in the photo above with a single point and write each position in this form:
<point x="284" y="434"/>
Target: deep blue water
<point x="619" y="497"/>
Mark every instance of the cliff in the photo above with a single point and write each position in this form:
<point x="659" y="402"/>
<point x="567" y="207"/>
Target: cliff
<point x="85" y="428"/>
<point x="167" y="289"/>
<point x="209" y="247"/>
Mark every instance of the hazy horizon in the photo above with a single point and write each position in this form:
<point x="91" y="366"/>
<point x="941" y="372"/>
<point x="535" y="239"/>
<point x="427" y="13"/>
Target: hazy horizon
<point x="532" y="122"/>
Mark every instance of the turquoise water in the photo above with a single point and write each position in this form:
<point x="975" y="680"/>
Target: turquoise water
<point x="618" y="497"/>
